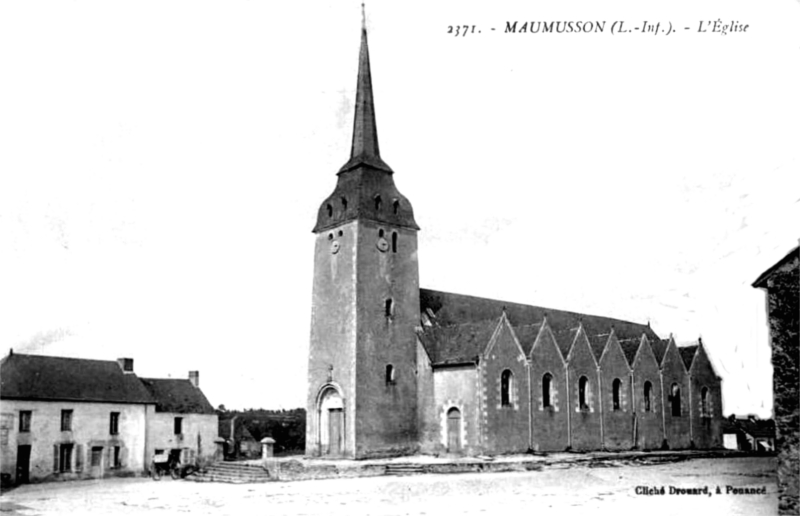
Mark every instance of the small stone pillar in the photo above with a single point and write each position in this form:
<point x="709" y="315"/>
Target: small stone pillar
<point x="219" y="452"/>
<point x="267" y="448"/>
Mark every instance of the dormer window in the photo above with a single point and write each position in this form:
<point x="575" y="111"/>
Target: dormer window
<point x="378" y="203"/>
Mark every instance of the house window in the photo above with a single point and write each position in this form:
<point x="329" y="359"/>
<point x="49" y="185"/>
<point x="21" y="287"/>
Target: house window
<point x="648" y="389"/>
<point x="704" y="412"/>
<point x="547" y="379"/>
<point x="394" y="241"/>
<point x="583" y="386"/>
<point x="66" y="420"/>
<point x="506" y="386"/>
<point x="616" y="386"/>
<point x="25" y="420"/>
<point x="388" y="308"/>
<point x="65" y="457"/>
<point x="675" y="399"/>
<point x="389" y="374"/>
<point x="117" y="463"/>
<point x="113" y="428"/>
<point x="178" y="425"/>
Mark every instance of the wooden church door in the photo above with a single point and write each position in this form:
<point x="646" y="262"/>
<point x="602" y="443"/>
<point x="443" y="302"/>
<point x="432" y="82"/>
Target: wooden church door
<point x="335" y="425"/>
<point x="453" y="430"/>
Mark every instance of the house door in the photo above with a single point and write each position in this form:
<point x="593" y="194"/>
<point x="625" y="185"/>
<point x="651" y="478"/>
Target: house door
<point x="335" y="425"/>
<point x="23" y="463"/>
<point x="453" y="430"/>
<point x="96" y="462"/>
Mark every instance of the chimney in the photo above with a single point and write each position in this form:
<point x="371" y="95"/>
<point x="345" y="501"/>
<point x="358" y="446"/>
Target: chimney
<point x="126" y="364"/>
<point x="194" y="377"/>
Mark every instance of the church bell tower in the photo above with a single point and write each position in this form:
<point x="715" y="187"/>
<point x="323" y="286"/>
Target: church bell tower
<point x="362" y="384"/>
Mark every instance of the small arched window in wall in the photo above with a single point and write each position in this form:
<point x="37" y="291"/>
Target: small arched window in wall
<point x="388" y="307"/>
<point x="344" y="203"/>
<point x="704" y="412"/>
<point x="675" y="400"/>
<point x="616" y="386"/>
<point x="395" y="206"/>
<point x="506" y="386"/>
<point x="648" y="389"/>
<point x="547" y="380"/>
<point x="389" y="374"/>
<point x="378" y="203"/>
<point x="583" y="386"/>
<point x="330" y="210"/>
<point x="394" y="241"/>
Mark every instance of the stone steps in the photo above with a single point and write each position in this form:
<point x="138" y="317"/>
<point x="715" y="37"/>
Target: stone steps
<point x="232" y="473"/>
<point x="404" y="469"/>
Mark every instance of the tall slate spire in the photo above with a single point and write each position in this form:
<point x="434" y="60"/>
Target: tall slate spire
<point x="364" y="150"/>
<point x="365" y="188"/>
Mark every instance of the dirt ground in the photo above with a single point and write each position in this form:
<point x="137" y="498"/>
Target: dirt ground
<point x="605" y="488"/>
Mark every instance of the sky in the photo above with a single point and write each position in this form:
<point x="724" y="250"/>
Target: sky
<point x="162" y="163"/>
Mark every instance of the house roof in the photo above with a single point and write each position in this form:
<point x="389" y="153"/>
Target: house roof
<point x="177" y="396"/>
<point x="687" y="354"/>
<point x="757" y="428"/>
<point x="467" y="318"/>
<point x="35" y="377"/>
<point x="761" y="282"/>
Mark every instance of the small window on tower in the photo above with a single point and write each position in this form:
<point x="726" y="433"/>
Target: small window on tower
<point x="389" y="374"/>
<point x="388" y="308"/>
<point x="394" y="242"/>
<point x="378" y="203"/>
<point x="344" y="203"/>
<point x="330" y="210"/>
<point x="396" y="206"/>
<point x="330" y="236"/>
<point x="380" y="233"/>
<point x="341" y="232"/>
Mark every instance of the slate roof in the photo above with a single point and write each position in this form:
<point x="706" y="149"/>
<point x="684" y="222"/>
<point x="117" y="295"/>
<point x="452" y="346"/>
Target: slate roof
<point x="177" y="396"/>
<point x="598" y="344"/>
<point x="457" y="343"/>
<point x="629" y="349"/>
<point x="463" y="316"/>
<point x="761" y="282"/>
<point x="687" y="354"/>
<point x="659" y="348"/>
<point x="35" y="377"/>
<point x="526" y="334"/>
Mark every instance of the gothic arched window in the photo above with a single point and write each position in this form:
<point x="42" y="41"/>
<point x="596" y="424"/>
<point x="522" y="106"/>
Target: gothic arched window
<point x="675" y="400"/>
<point x="583" y="386"/>
<point x="648" y="389"/>
<point x="547" y="380"/>
<point x="704" y="412"/>
<point x="506" y="386"/>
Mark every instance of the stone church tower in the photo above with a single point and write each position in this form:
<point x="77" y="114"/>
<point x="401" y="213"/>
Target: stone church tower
<point x="362" y="384"/>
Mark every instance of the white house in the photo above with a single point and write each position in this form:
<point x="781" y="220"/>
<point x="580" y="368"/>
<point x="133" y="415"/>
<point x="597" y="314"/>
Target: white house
<point x="67" y="418"/>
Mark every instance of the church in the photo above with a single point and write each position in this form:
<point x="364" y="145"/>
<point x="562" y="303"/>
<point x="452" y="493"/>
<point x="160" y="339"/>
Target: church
<point x="395" y="369"/>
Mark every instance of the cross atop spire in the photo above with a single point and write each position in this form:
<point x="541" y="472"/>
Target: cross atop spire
<point x="364" y="150"/>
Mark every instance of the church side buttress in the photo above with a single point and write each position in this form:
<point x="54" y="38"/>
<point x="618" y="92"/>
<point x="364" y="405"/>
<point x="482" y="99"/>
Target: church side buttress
<point x="362" y="398"/>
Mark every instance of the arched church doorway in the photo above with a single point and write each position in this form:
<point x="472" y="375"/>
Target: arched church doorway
<point x="331" y="419"/>
<point x="453" y="430"/>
